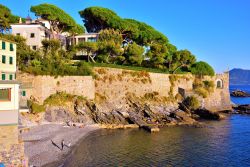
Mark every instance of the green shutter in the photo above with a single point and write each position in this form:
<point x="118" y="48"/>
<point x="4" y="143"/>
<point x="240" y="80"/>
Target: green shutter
<point x="3" y="59"/>
<point x="11" y="47"/>
<point x="11" y="60"/>
<point x="3" y="77"/>
<point x="3" y="46"/>
<point x="23" y="93"/>
<point x="11" y="77"/>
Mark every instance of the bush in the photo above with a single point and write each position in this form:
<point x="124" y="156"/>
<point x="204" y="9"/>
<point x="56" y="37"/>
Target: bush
<point x="61" y="98"/>
<point x="191" y="103"/>
<point x="84" y="68"/>
<point x="202" y="68"/>
<point x="35" y="107"/>
<point x="202" y="92"/>
<point x="209" y="85"/>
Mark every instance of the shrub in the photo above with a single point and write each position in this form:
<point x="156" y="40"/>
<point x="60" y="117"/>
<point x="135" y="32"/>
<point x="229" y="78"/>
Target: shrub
<point x="84" y="69"/>
<point x="209" y="85"/>
<point x="191" y="103"/>
<point x="202" y="68"/>
<point x="201" y="92"/>
<point x="35" y="107"/>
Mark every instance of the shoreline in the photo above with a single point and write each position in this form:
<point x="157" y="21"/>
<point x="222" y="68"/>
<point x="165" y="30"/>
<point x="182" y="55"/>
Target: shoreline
<point x="40" y="150"/>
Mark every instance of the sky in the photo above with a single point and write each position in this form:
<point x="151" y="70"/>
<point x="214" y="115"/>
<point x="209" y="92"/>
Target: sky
<point x="215" y="31"/>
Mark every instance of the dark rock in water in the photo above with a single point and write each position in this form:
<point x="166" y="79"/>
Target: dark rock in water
<point x="209" y="115"/>
<point x="240" y="93"/>
<point x="242" y="109"/>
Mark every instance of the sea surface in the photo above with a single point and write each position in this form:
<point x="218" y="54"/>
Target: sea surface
<point x="240" y="100"/>
<point x="223" y="143"/>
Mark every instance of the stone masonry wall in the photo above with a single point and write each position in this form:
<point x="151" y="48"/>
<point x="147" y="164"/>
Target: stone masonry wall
<point x="115" y="84"/>
<point x="11" y="148"/>
<point x="41" y="87"/>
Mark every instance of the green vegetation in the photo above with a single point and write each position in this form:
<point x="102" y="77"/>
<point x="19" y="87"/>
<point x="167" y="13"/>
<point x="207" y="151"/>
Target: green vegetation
<point x="35" y="108"/>
<point x="62" y="98"/>
<point x="58" y="99"/>
<point x="135" y="68"/>
<point x="122" y="43"/>
<point x="192" y="103"/>
<point x="59" y="20"/>
<point x="53" y="60"/>
<point x="202" y="68"/>
<point x="203" y="88"/>
<point x="122" y="40"/>
<point x="6" y="18"/>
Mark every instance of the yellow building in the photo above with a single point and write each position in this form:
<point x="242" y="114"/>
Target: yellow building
<point x="9" y="87"/>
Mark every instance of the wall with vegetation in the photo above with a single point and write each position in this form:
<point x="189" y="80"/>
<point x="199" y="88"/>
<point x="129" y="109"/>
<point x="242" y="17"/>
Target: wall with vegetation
<point x="115" y="85"/>
<point x="118" y="84"/>
<point x="41" y="87"/>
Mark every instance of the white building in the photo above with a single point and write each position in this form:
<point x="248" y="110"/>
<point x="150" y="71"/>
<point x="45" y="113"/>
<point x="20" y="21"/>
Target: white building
<point x="88" y="37"/>
<point x="9" y="87"/>
<point x="33" y="31"/>
<point x="74" y="40"/>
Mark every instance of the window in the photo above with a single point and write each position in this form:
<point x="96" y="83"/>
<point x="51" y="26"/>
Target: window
<point x="219" y="83"/>
<point x="11" y="47"/>
<point x="3" y="77"/>
<point x="11" y="60"/>
<point x="32" y="35"/>
<point x="23" y="93"/>
<point x="34" y="47"/>
<point x="10" y="77"/>
<point x="91" y="39"/>
<point x="18" y="34"/>
<point x="3" y="59"/>
<point x="3" y="45"/>
<point x="5" y="94"/>
<point x="81" y="40"/>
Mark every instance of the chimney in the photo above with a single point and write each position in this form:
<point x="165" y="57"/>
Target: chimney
<point x="20" y="20"/>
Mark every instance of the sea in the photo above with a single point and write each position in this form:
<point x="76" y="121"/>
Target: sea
<point x="223" y="143"/>
<point x="240" y="100"/>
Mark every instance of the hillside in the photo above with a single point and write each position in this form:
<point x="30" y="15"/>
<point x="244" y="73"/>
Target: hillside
<point x="239" y="77"/>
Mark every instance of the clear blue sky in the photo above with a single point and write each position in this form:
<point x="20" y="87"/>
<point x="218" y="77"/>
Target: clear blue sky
<point x="216" y="31"/>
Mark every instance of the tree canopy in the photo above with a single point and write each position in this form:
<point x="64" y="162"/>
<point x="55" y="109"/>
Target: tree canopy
<point x="59" y="20"/>
<point x="202" y="68"/>
<point x="97" y="18"/>
<point x="6" y="18"/>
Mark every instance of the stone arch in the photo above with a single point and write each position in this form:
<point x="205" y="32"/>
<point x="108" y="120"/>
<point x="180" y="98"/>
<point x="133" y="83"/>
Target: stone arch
<point x="219" y="84"/>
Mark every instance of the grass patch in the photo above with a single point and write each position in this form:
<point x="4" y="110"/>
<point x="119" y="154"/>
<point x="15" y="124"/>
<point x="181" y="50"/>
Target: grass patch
<point x="134" y="68"/>
<point x="35" y="107"/>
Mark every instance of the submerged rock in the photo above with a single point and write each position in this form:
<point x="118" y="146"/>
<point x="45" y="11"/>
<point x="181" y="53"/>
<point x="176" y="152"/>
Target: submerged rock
<point x="240" y="93"/>
<point x="242" y="109"/>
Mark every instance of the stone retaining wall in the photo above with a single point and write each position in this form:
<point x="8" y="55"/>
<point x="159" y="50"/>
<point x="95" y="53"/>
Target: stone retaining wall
<point x="11" y="148"/>
<point x="41" y="87"/>
<point x="114" y="85"/>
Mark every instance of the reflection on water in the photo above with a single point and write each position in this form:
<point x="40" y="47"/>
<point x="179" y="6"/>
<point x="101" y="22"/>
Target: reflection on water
<point x="224" y="143"/>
